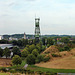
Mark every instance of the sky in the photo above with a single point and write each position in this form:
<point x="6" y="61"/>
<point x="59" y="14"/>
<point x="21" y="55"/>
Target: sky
<point x="56" y="16"/>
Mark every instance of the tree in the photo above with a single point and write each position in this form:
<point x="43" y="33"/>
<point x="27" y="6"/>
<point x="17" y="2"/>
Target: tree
<point x="1" y="52"/>
<point x="35" y="52"/>
<point x="4" y="41"/>
<point x="39" y="58"/>
<point x="43" y="47"/>
<point x="14" y="42"/>
<point x="31" y="48"/>
<point x="30" y="59"/>
<point x="50" y="41"/>
<point x="7" y="52"/>
<point x="44" y="40"/>
<point x="24" y="42"/>
<point x="39" y="47"/>
<point x="67" y="48"/>
<point x="16" y="51"/>
<point x="24" y="53"/>
<point x="65" y="39"/>
<point x="19" y="43"/>
<point x="16" y="60"/>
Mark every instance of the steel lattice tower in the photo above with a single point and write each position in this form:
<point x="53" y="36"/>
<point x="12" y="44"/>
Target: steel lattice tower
<point x="37" y="29"/>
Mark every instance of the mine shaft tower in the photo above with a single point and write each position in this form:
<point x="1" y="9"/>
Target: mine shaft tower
<point x="37" y="29"/>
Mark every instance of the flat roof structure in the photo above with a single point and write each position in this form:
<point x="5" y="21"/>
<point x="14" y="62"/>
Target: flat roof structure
<point x="3" y="46"/>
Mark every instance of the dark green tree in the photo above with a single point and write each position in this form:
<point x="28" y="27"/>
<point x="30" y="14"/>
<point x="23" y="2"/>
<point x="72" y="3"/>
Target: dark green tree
<point x="50" y="41"/>
<point x="30" y="59"/>
<point x="16" y="60"/>
<point x="67" y="48"/>
<point x="24" y="53"/>
<point x="1" y="52"/>
<point x="16" y="51"/>
<point x="39" y="58"/>
<point x="7" y="52"/>
<point x="65" y="39"/>
<point x="4" y="41"/>
<point x="20" y="43"/>
<point x="43" y="47"/>
<point x="14" y="42"/>
<point x="24" y="42"/>
<point x="31" y="48"/>
<point x="35" y="52"/>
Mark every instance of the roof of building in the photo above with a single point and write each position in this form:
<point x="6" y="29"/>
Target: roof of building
<point x="3" y="46"/>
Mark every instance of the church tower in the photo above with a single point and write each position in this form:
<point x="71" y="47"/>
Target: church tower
<point x="24" y="35"/>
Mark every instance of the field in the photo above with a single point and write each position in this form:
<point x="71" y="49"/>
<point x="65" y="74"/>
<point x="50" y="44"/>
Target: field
<point x="5" y="62"/>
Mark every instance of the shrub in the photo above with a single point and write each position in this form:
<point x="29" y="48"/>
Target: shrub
<point x="3" y="69"/>
<point x="66" y="48"/>
<point x="46" y="59"/>
<point x="61" y="49"/>
<point x="12" y="71"/>
<point x="56" y="55"/>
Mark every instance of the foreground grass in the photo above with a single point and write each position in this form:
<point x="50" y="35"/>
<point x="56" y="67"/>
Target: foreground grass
<point x="3" y="74"/>
<point x="42" y="69"/>
<point x="36" y="68"/>
<point x="21" y="66"/>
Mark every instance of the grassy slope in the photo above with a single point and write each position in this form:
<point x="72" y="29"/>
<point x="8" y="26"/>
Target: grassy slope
<point x="35" y="68"/>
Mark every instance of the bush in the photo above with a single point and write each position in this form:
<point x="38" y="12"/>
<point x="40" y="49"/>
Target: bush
<point x="30" y="59"/>
<point x="66" y="48"/>
<point x="12" y="71"/>
<point x="3" y="69"/>
<point x="56" y="55"/>
<point x="61" y="49"/>
<point x="46" y="59"/>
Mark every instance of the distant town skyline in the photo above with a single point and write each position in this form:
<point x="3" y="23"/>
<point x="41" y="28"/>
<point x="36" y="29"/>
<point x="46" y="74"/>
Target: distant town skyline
<point x="56" y="16"/>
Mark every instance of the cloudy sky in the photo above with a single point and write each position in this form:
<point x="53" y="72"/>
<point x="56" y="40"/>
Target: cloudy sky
<point x="56" y="16"/>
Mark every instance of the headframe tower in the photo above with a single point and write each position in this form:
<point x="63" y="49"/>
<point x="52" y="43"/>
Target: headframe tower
<point x="37" y="29"/>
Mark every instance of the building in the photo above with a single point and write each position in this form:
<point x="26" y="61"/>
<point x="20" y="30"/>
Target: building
<point x="3" y="46"/>
<point x="11" y="38"/>
<point x="1" y="37"/>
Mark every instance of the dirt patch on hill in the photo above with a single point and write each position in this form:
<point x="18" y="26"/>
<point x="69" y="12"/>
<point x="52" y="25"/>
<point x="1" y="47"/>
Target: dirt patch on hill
<point x="5" y="62"/>
<point x="64" y="63"/>
<point x="51" y="49"/>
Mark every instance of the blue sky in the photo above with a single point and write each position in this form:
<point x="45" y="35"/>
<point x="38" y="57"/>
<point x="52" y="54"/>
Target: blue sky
<point x="56" y="16"/>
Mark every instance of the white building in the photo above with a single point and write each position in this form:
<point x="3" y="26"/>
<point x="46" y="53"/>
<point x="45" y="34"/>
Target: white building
<point x="10" y="38"/>
<point x="1" y="37"/>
